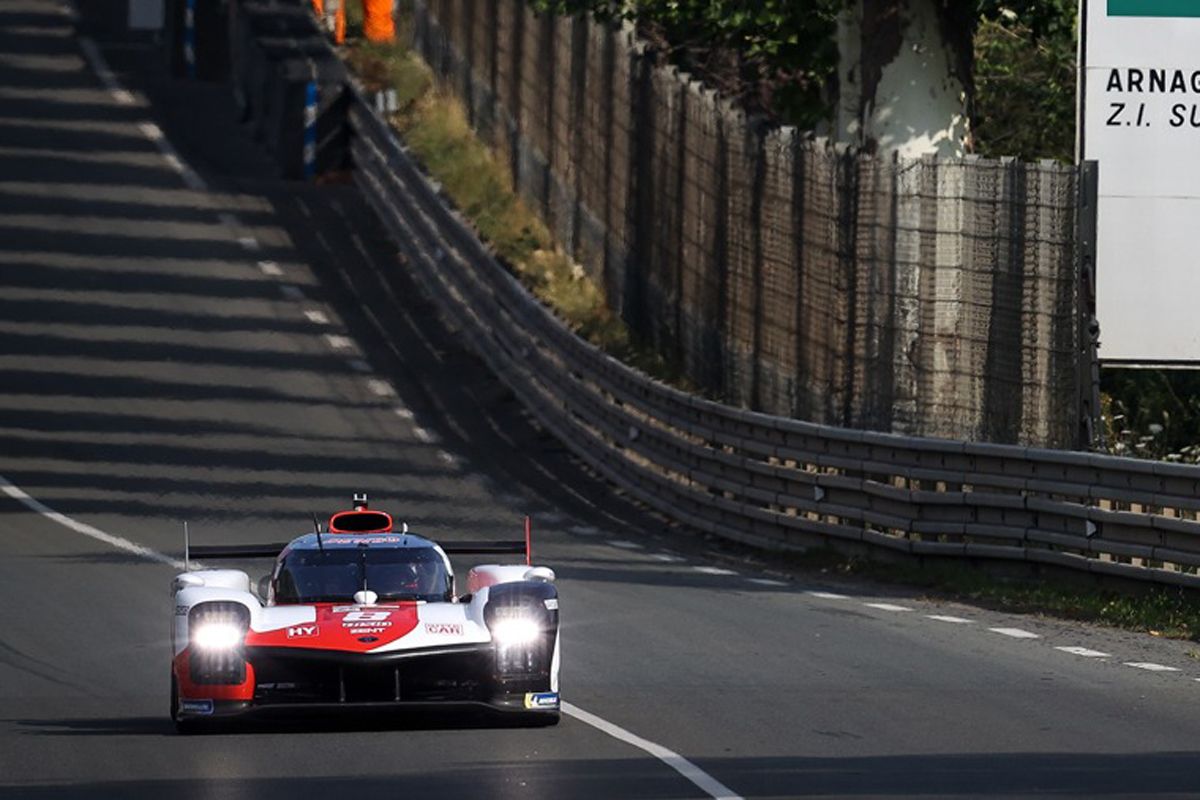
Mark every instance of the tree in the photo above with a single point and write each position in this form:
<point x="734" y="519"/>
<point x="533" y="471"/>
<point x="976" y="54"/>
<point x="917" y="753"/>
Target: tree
<point x="885" y="75"/>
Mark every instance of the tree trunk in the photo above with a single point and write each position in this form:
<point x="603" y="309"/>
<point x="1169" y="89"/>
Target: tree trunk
<point x="904" y="76"/>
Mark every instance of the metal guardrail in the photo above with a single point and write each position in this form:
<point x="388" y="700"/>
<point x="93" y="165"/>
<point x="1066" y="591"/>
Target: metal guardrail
<point x="774" y="482"/>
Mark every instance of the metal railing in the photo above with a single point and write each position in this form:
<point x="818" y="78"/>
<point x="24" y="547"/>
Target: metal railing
<point x="769" y="481"/>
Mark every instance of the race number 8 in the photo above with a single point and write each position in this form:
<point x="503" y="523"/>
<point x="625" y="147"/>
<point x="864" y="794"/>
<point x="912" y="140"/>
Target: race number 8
<point x="367" y="616"/>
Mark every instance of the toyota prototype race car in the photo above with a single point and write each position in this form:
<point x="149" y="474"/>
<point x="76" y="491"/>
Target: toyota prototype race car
<point x="363" y="616"/>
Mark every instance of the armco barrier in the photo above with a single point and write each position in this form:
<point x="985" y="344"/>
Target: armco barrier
<point x="769" y="481"/>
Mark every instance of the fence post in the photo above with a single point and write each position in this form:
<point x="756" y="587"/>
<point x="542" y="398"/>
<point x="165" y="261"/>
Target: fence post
<point x="310" y="126"/>
<point x="189" y="38"/>
<point x="1089" y="433"/>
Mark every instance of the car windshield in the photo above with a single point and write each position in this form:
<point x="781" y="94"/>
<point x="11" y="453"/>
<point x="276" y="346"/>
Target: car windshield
<point x="334" y="575"/>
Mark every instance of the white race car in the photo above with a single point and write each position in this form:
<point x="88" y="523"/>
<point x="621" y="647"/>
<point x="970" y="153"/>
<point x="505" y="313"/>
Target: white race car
<point x="361" y="615"/>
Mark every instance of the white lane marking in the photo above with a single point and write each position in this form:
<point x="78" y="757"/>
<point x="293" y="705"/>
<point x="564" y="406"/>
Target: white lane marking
<point x="248" y="243"/>
<point x="316" y="317"/>
<point x="1150" y="666"/>
<point x="291" y="292"/>
<point x="381" y="388"/>
<point x="151" y="131"/>
<point x="828" y="595"/>
<point x="270" y="268"/>
<point x="358" y="365"/>
<point x="887" y="606"/>
<point x="624" y="545"/>
<point x="87" y="530"/>
<point x="698" y="777"/>
<point x="714" y="570"/>
<point x="402" y="412"/>
<point x="338" y="342"/>
<point x="1083" y="651"/>
<point x="449" y="458"/>
<point x="668" y="558"/>
<point x="766" y="582"/>
<point x="946" y="618"/>
<point x="106" y="76"/>
<point x="585" y="530"/>
<point x="428" y="437"/>
<point x="1015" y="633"/>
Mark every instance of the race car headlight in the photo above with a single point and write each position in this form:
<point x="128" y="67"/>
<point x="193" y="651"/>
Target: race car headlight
<point x="217" y="636"/>
<point x="515" y="631"/>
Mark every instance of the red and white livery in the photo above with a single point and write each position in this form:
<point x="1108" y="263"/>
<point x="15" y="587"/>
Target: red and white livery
<point x="362" y="615"/>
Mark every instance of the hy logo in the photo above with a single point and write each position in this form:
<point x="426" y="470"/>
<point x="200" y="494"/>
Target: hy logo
<point x="303" y="631"/>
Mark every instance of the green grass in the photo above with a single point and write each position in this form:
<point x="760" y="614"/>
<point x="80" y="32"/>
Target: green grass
<point x="1159" y="610"/>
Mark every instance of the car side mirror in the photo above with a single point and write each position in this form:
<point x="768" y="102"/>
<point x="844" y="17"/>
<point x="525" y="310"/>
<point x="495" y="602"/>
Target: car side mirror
<point x="264" y="587"/>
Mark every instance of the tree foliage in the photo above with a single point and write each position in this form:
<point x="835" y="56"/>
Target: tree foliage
<point x="1025" y="79"/>
<point x="779" y="57"/>
<point x="776" y="56"/>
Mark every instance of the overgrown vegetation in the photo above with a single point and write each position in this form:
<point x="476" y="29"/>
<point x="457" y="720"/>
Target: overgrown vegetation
<point x="434" y="124"/>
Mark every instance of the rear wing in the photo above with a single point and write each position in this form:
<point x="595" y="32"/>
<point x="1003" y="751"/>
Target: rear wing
<point x="236" y="551"/>
<point x="494" y="547"/>
<point x="472" y="547"/>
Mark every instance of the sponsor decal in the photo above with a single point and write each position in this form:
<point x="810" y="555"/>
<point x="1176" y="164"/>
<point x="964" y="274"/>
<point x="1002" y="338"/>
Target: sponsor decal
<point x="551" y="603"/>
<point x="344" y="609"/>
<point x="541" y="699"/>
<point x="357" y="622"/>
<point x="444" y="628"/>
<point x="367" y="539"/>
<point x="204" y="706"/>
<point x="303" y="631"/>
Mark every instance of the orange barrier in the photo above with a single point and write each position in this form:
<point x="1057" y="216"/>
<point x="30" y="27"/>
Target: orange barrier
<point x="378" y="23"/>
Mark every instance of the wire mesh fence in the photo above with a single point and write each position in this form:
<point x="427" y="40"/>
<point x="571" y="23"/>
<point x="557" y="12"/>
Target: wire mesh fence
<point x="931" y="297"/>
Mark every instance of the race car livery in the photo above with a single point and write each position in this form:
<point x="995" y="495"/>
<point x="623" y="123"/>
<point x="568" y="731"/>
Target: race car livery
<point x="361" y="615"/>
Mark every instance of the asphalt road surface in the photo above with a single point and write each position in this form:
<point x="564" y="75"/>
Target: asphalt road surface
<point x="184" y="337"/>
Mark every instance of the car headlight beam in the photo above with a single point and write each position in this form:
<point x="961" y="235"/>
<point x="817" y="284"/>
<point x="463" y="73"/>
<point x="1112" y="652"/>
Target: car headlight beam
<point x="217" y="636"/>
<point x="515" y="631"/>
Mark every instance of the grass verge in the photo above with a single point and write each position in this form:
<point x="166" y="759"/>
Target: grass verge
<point x="433" y="123"/>
<point x="1164" y="611"/>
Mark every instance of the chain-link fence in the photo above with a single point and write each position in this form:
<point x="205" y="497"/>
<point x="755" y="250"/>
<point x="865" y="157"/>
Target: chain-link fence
<point x="931" y="297"/>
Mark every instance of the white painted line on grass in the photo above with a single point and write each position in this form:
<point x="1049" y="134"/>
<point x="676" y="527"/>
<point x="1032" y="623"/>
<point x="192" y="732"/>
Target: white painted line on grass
<point x="714" y="570"/>
<point x="270" y="268"/>
<point x="946" y="618"/>
<point x="338" y="342"/>
<point x="1150" y="666"/>
<point x="381" y="388"/>
<point x="1083" y="651"/>
<point x="698" y="777"/>
<point x="887" y="606"/>
<point x="1015" y="633"/>
<point x="624" y="545"/>
<point x="358" y="365"/>
<point x="828" y="595"/>
<point x="316" y="317"/>
<point x="291" y="292"/>
<point x="402" y="412"/>
<point x="87" y="530"/>
<point x="766" y="582"/>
